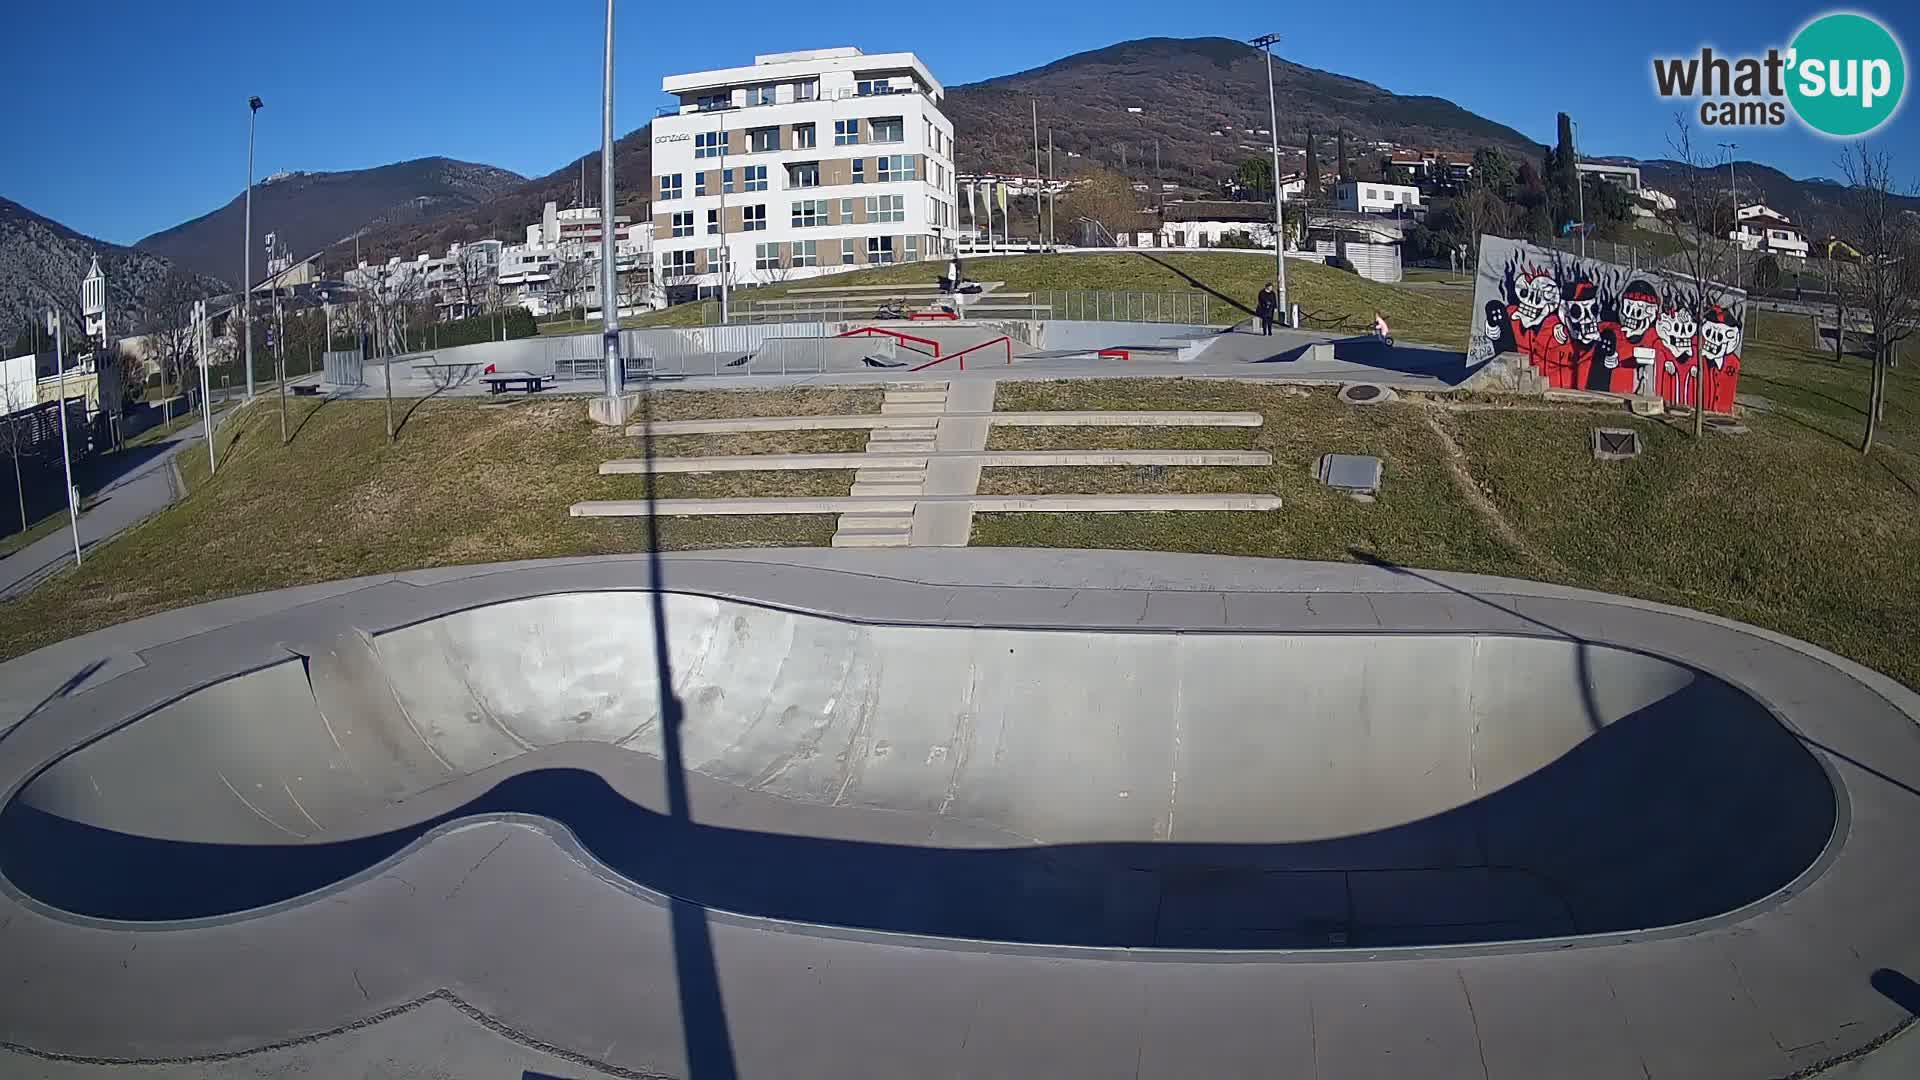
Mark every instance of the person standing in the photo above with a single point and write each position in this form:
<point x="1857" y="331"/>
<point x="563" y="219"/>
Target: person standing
<point x="1266" y="307"/>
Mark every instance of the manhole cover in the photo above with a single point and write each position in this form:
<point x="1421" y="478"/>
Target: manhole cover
<point x="1615" y="444"/>
<point x="1365" y="394"/>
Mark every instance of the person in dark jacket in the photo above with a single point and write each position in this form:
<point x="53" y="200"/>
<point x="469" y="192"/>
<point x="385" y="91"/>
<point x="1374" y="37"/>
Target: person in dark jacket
<point x="1267" y="307"/>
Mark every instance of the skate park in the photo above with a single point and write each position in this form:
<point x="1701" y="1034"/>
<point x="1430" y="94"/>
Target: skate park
<point x="874" y="812"/>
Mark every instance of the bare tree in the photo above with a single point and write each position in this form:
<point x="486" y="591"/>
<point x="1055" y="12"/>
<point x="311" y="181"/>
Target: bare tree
<point x="1882" y="282"/>
<point x="1104" y="198"/>
<point x="1703" y="257"/>
<point x="568" y="279"/>
<point x="166" y="319"/>
<point x="636" y="286"/>
<point x="15" y="397"/>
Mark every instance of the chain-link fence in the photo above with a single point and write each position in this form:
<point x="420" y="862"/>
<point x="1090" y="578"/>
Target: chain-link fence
<point x="1189" y="307"/>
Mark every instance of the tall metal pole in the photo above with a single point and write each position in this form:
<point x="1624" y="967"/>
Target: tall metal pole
<point x="206" y="389"/>
<point x="609" y="305"/>
<point x="1579" y="185"/>
<point x="1266" y="42"/>
<point x="726" y="257"/>
<point x="246" y="286"/>
<point x="66" y="455"/>
<point x="1053" y="197"/>
<point x="1039" y="189"/>
<point x="280" y="357"/>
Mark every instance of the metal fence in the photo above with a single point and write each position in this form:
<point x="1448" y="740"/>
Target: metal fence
<point x="1190" y="306"/>
<point x="344" y="367"/>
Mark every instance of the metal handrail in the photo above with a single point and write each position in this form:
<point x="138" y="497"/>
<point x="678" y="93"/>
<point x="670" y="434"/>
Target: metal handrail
<point x="871" y="330"/>
<point x="962" y="354"/>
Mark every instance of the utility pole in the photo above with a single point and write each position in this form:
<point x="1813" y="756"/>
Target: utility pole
<point x="1039" y="190"/>
<point x="1265" y="42"/>
<point x="204" y="337"/>
<point x="66" y="454"/>
<point x="726" y="257"/>
<point x="609" y="289"/>
<point x="1733" y="187"/>
<point x="1053" y="198"/>
<point x="1579" y="185"/>
<point x="280" y="355"/>
<point x="246" y="286"/>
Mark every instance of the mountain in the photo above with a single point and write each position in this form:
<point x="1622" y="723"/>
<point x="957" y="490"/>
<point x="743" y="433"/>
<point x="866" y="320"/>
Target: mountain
<point x="1812" y="203"/>
<point x="506" y="215"/>
<point x="42" y="262"/>
<point x="1186" y="89"/>
<point x="312" y="210"/>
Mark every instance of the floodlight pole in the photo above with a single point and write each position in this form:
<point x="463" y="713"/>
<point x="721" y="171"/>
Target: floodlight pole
<point x="1265" y="43"/>
<point x="609" y="289"/>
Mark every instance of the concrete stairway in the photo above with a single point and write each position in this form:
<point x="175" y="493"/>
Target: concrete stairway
<point x="891" y="528"/>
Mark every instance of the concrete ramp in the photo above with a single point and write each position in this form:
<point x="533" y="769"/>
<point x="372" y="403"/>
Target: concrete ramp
<point x="1220" y="790"/>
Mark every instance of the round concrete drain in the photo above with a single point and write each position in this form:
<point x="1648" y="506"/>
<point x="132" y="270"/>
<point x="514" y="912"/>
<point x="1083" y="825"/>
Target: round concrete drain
<point x="1365" y="394"/>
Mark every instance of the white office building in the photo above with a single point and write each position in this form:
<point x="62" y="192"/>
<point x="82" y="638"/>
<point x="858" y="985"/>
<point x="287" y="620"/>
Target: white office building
<point x="801" y="164"/>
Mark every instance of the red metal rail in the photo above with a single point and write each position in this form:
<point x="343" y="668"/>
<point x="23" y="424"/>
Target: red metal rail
<point x="962" y="354"/>
<point x="930" y="316"/>
<point x="869" y="331"/>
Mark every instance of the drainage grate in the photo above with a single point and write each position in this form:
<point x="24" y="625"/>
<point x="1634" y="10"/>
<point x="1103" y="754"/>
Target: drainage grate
<point x="1615" y="444"/>
<point x="1363" y="393"/>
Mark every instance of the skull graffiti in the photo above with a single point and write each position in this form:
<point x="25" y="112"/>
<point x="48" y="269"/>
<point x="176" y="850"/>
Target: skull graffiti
<point x="1582" y="312"/>
<point x="1718" y="337"/>
<point x="1639" y="307"/>
<point x="1537" y="295"/>
<point x="1676" y="331"/>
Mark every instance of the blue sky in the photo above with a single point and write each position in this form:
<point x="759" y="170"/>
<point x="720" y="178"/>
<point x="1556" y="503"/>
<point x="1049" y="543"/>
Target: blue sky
<point x="160" y="137"/>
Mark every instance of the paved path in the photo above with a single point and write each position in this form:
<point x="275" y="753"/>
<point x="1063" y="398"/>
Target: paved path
<point x="521" y="928"/>
<point x="122" y="503"/>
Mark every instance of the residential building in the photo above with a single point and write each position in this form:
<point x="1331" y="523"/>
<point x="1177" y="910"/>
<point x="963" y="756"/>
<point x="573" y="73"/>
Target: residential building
<point x="1195" y="223"/>
<point x="799" y="164"/>
<point x="1017" y="183"/>
<point x="1429" y="171"/>
<point x="1367" y="240"/>
<point x="1369" y="197"/>
<point x="1760" y="228"/>
<point x="1626" y="176"/>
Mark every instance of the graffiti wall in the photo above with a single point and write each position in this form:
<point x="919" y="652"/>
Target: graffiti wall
<point x="1592" y="325"/>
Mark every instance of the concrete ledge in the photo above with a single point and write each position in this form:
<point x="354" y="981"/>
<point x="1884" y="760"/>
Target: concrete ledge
<point x="744" y="424"/>
<point x="1028" y="459"/>
<point x="859" y="421"/>
<point x="904" y="504"/>
<point x="1119" y="418"/>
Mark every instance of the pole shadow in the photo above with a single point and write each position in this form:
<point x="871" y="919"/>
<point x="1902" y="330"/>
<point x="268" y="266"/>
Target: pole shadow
<point x="1898" y="989"/>
<point x="1196" y="282"/>
<point x="703" y="1014"/>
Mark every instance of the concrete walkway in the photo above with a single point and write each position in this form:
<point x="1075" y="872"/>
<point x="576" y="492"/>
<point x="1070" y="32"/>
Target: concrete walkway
<point x="501" y="925"/>
<point x="122" y="503"/>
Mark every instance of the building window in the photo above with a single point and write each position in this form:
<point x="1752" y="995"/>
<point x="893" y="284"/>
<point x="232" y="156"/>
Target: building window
<point x="803" y="175"/>
<point x="677" y="262"/>
<point x="806" y="253"/>
<point x="719" y="259"/>
<point x="670" y="186"/>
<point x="846" y="132"/>
<point x="849" y="250"/>
<point x="710" y="102"/>
<point x="808" y="213"/>
<point x="913" y="248"/>
<point x="806" y="90"/>
<point x="753" y="218"/>
<point x="886" y="208"/>
<point x="755" y="178"/>
<point x="763" y="140"/>
<point x="846" y="210"/>
<point x="708" y="144"/>
<point x="859" y="170"/>
<point x="760" y="95"/>
<point x="713" y="222"/>
<point x="699" y="184"/>
<point x="726" y="182"/>
<point x="803" y="137"/>
<point x="889" y="129"/>
<point x="766" y="256"/>
<point x="868" y="87"/>
<point x="879" y="249"/>
<point x="896" y="167"/>
<point x="683" y="223"/>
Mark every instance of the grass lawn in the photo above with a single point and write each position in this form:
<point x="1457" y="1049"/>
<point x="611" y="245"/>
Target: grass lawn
<point x="50" y="523"/>
<point x="1328" y="299"/>
<point x="464" y="483"/>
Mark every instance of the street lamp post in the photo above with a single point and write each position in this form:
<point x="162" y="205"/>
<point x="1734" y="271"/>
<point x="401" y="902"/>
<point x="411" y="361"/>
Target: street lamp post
<point x="1579" y="186"/>
<point x="246" y="285"/>
<point x="66" y="455"/>
<point x="609" y="307"/>
<point x="1265" y="43"/>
